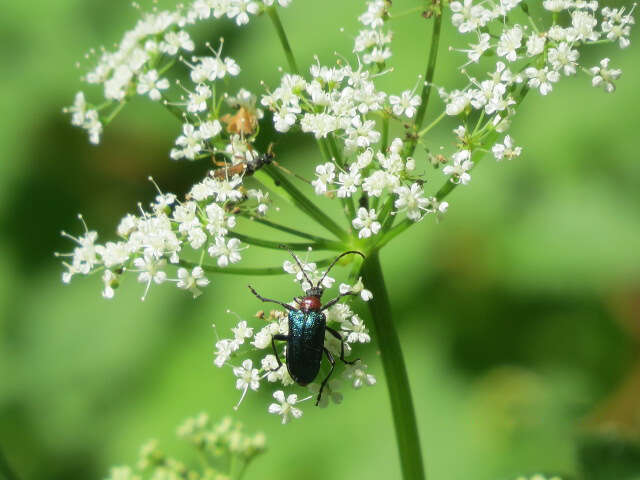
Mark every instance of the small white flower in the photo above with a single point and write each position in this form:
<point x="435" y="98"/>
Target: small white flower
<point x="151" y="270"/>
<point x="227" y="252"/>
<point x="286" y="408"/>
<point x="192" y="280"/>
<point x="509" y="43"/>
<point x="330" y="392"/>
<point x="110" y="281"/>
<point x="198" y="99"/>
<point x="248" y="377"/>
<point x="340" y="312"/>
<point x="242" y="331"/>
<point x="174" y="41"/>
<point x="605" y="76"/>
<point x="461" y="165"/>
<point x="407" y="103"/>
<point x="412" y="200"/>
<point x="325" y="174"/>
<point x="535" y="45"/>
<point x="507" y="149"/>
<point x="366" y="222"/>
<point x="358" y="375"/>
<point x="225" y="348"/>
<point x="542" y="79"/>
<point x="356" y="330"/>
<point x="349" y="181"/>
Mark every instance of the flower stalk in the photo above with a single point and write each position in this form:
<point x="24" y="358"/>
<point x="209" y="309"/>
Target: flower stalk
<point x="404" y="416"/>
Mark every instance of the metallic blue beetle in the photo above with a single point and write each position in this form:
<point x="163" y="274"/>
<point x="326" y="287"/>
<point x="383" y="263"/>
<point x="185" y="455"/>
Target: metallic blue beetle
<point x="307" y="326"/>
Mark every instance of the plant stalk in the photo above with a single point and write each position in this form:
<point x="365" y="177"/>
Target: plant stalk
<point x="275" y="19"/>
<point x="428" y="78"/>
<point x="404" y="417"/>
<point x="6" y="473"/>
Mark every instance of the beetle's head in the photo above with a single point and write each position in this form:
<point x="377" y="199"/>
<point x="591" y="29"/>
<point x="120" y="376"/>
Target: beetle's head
<point x="314" y="292"/>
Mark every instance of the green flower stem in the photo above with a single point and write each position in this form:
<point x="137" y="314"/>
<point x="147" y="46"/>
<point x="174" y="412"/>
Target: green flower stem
<point x="284" y="41"/>
<point x="385" y="134"/>
<point x="426" y="129"/>
<point x="428" y="78"/>
<point x="5" y="470"/>
<point x="114" y="112"/>
<point x="394" y="232"/>
<point x="300" y="246"/>
<point x="286" y="229"/>
<point x="404" y="417"/>
<point x="246" y="271"/>
<point x="298" y="199"/>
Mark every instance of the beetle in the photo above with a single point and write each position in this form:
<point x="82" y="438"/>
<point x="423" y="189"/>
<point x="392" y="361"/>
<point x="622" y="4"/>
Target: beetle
<point x="307" y="327"/>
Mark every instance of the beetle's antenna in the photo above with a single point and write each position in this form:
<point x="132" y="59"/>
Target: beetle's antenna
<point x="336" y="261"/>
<point x="295" y="257"/>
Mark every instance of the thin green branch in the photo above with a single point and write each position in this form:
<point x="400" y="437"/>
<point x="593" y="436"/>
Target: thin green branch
<point x="428" y="128"/>
<point x="284" y="41"/>
<point x="404" y="417"/>
<point x="299" y="246"/>
<point x="286" y="229"/>
<point x="394" y="232"/>
<point x="247" y="271"/>
<point x="428" y="78"/>
<point x="299" y="200"/>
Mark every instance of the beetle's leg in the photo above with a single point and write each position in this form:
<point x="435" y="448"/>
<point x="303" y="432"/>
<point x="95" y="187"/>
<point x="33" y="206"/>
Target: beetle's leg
<point x="339" y="337"/>
<point x="324" y="382"/>
<point x="288" y="307"/>
<point x="331" y="303"/>
<point x="275" y="351"/>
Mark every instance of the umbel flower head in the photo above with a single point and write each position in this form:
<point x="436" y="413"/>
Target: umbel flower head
<point x="380" y="185"/>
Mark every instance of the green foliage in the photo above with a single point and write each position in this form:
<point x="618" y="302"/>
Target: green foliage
<point x="510" y="318"/>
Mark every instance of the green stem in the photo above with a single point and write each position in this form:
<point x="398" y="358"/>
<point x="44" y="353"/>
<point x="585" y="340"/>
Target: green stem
<point x="5" y="470"/>
<point x="249" y="272"/>
<point x="404" y="417"/>
<point x="284" y="41"/>
<point x="428" y="78"/>
<point x="286" y="229"/>
<point x="299" y="246"/>
<point x="299" y="200"/>
<point x="114" y="112"/>
<point x="426" y="129"/>
<point x="385" y="134"/>
<point x="394" y="232"/>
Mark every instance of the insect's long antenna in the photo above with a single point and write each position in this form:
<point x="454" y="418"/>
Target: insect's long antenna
<point x="295" y="257"/>
<point x="336" y="261"/>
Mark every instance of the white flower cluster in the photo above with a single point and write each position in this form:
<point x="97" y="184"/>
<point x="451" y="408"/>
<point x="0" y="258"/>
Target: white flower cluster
<point x="252" y="372"/>
<point x="149" y="50"/>
<point x="337" y="102"/>
<point x="529" y="57"/>
<point x="154" y="241"/>
<point x="372" y="43"/>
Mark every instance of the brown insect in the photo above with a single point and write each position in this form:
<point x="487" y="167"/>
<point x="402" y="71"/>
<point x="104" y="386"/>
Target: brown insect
<point x="244" y="168"/>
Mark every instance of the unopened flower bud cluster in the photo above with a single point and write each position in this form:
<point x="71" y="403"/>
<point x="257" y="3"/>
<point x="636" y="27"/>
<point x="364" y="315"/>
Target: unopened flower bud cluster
<point x="220" y="446"/>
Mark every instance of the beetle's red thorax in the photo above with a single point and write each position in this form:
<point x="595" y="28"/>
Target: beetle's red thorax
<point x="308" y="304"/>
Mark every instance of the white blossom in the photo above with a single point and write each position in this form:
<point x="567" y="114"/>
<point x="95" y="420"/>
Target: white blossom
<point x="366" y="223"/>
<point x="286" y="406"/>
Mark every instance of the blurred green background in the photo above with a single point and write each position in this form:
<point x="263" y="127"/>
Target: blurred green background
<point x="520" y="316"/>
